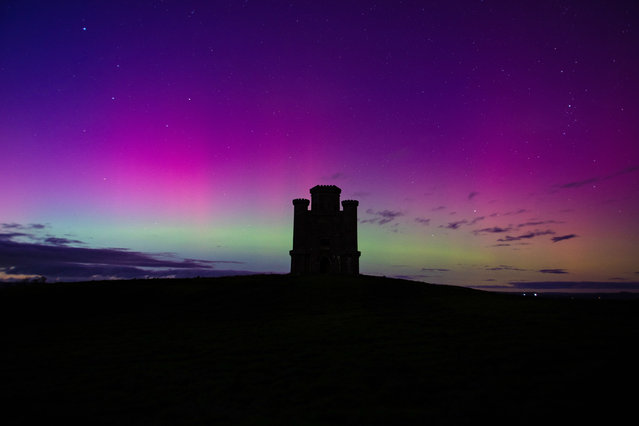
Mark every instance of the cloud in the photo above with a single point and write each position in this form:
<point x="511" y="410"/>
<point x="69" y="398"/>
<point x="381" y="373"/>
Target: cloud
<point x="541" y="222"/>
<point x="477" y="219"/>
<point x="596" y="179"/>
<point x="454" y="225"/>
<point x="532" y="234"/>
<point x="579" y="183"/>
<point x="553" y="271"/>
<point x="56" y="260"/>
<point x="577" y="285"/>
<point x="435" y="269"/>
<point x="563" y="237"/>
<point x="514" y="212"/>
<point x="493" y="230"/>
<point x="503" y="268"/>
<point x="436" y="209"/>
<point x="422" y="221"/>
<point x="472" y="195"/>
<point x="8" y="236"/>
<point x="12" y="226"/>
<point x="57" y="241"/>
<point x="382" y="217"/>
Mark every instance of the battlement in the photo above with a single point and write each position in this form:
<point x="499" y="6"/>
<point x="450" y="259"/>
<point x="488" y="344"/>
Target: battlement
<point x="352" y="203"/>
<point x="326" y="188"/>
<point x="301" y="201"/>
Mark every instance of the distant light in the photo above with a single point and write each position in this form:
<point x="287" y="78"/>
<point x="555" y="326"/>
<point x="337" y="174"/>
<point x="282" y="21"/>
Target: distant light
<point x="84" y="28"/>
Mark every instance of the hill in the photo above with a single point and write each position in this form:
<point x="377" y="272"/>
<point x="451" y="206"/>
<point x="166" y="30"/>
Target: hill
<point x="278" y="349"/>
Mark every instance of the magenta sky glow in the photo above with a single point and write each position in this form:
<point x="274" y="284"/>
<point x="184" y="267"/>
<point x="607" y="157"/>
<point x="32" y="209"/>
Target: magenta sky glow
<point x="489" y="143"/>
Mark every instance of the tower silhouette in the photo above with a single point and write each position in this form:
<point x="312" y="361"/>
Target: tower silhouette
<point x="325" y="237"/>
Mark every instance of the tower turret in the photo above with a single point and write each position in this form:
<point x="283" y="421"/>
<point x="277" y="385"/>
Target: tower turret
<point x="325" y="198"/>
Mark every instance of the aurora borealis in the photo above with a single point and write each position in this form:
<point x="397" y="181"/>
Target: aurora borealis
<point x="491" y="144"/>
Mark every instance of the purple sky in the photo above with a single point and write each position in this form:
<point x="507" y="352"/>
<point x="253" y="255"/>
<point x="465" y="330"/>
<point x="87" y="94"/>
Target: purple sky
<point x="490" y="143"/>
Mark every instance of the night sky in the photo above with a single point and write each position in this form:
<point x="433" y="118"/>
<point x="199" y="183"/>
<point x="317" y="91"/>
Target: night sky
<point x="491" y="144"/>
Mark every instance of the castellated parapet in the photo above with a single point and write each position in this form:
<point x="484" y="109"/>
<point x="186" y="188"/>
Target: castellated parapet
<point x="325" y="237"/>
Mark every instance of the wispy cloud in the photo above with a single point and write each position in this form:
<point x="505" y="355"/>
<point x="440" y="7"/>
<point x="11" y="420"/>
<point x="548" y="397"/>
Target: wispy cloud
<point x="577" y="285"/>
<point x="382" y="217"/>
<point x="58" y="241"/>
<point x="492" y="230"/>
<point x="553" y="271"/>
<point x="596" y="179"/>
<point x="540" y="222"/>
<point x="515" y="212"/>
<point x="563" y="237"/>
<point x="477" y="219"/>
<point x="422" y="221"/>
<point x="472" y="195"/>
<point x="503" y="268"/>
<point x="528" y="235"/>
<point x="20" y="226"/>
<point x="454" y="225"/>
<point x="56" y="259"/>
<point x="435" y="269"/>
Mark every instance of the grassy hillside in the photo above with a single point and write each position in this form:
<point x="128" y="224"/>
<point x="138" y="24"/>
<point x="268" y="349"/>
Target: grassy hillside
<point x="315" y="350"/>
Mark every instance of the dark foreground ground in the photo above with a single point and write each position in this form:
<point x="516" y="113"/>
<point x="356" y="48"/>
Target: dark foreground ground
<point x="321" y="350"/>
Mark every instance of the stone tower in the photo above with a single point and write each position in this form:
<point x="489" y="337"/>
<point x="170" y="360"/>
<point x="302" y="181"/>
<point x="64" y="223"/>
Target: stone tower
<point x="325" y="237"/>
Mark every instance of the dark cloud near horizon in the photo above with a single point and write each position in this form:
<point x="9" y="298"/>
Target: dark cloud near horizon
<point x="563" y="237"/>
<point x="20" y="226"/>
<point x="503" y="268"/>
<point x="59" y="241"/>
<point x="576" y="285"/>
<point x="7" y="236"/>
<point x="422" y="221"/>
<point x="12" y="226"/>
<point x="57" y="260"/>
<point x="435" y="269"/>
<point x="553" y="271"/>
